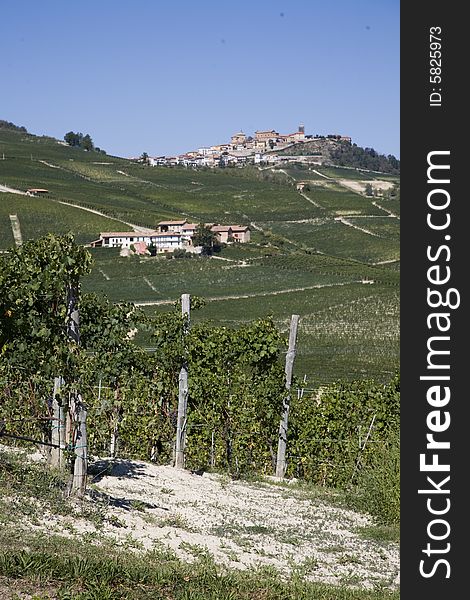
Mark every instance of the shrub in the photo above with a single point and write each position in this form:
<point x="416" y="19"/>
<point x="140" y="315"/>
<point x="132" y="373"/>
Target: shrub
<point x="181" y="253"/>
<point x="328" y="432"/>
<point x="378" y="483"/>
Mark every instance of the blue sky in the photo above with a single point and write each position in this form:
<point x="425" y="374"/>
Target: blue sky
<point x="166" y="77"/>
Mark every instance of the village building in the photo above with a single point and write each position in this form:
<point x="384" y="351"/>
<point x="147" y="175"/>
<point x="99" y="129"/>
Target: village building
<point x="238" y="139"/>
<point x="221" y="147"/>
<point x="206" y="151"/>
<point x="171" y="226"/>
<point x="263" y="136"/>
<point x="158" y="161"/>
<point x="232" y="233"/>
<point x="187" y="232"/>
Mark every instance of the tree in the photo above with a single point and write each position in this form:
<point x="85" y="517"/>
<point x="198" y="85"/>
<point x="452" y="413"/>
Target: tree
<point x="35" y="282"/>
<point x="369" y="190"/>
<point x="144" y="158"/>
<point x="72" y="139"/>
<point x="78" y="140"/>
<point x="87" y="142"/>
<point x="107" y="332"/>
<point x="204" y="237"/>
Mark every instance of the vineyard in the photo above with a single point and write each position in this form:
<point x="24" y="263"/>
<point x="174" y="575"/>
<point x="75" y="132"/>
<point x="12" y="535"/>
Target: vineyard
<point x="37" y="215"/>
<point x="236" y="382"/>
<point x="356" y="304"/>
<point x="99" y="359"/>
<point x="114" y="417"/>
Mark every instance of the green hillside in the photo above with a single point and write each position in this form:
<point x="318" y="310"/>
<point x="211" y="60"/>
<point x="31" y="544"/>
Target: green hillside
<point x="38" y="216"/>
<point x="341" y="153"/>
<point x="330" y="254"/>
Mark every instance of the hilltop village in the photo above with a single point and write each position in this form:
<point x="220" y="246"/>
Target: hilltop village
<point x="262" y="148"/>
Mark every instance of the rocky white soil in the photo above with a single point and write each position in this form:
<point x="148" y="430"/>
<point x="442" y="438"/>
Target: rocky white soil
<point x="360" y="186"/>
<point x="240" y="524"/>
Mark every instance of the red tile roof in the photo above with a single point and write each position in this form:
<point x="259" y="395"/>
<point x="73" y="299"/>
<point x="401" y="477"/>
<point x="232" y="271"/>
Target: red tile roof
<point x="172" y="222"/>
<point x="220" y="228"/>
<point x="121" y="234"/>
<point x="136" y="234"/>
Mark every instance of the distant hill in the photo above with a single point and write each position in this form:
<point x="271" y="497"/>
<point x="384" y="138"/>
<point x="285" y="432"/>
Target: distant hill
<point x="344" y="154"/>
<point x="11" y="126"/>
<point x="329" y="252"/>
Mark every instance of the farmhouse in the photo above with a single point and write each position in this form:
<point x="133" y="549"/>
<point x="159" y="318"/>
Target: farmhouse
<point x="232" y="233"/>
<point x="169" y="236"/>
<point x="241" y="234"/>
<point x="164" y="242"/>
<point x="188" y="229"/>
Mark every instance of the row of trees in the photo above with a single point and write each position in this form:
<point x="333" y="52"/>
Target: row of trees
<point x="345" y="154"/>
<point x="78" y="140"/>
<point x="8" y="125"/>
<point x="351" y="155"/>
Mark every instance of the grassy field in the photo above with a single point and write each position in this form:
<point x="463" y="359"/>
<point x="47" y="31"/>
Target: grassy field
<point x="336" y="201"/>
<point x="383" y="227"/>
<point x="314" y="254"/>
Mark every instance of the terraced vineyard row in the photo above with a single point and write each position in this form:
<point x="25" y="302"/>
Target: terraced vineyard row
<point x="336" y="238"/>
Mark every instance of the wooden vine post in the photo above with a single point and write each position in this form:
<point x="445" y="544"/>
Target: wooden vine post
<point x="76" y="406"/>
<point x="115" y="431"/>
<point x="182" y="392"/>
<point x="290" y="356"/>
<point x="58" y="425"/>
<point x="81" y="462"/>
